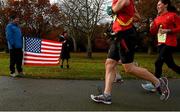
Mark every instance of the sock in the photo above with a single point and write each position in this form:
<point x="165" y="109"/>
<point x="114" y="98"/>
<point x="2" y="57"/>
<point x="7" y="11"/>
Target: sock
<point x="157" y="84"/>
<point x="107" y="95"/>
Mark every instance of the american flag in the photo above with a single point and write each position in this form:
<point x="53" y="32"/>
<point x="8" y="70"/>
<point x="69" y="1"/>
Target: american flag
<point x="41" y="52"/>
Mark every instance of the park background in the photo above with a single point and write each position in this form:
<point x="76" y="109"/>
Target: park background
<point x="85" y="21"/>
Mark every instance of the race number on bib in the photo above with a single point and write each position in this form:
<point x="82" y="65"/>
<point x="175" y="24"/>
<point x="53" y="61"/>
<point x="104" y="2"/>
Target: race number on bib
<point x="162" y="38"/>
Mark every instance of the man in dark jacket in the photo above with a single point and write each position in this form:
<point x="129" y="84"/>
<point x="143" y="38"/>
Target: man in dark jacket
<point x="15" y="45"/>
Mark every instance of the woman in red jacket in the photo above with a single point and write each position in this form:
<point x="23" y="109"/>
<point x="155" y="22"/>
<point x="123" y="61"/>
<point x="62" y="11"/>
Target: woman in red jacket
<point x="166" y="26"/>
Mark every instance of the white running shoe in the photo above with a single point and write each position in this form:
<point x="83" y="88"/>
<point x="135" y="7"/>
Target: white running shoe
<point x="118" y="79"/>
<point x="149" y="87"/>
<point x="13" y="75"/>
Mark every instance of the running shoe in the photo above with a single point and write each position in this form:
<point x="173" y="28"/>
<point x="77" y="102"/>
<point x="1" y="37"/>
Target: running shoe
<point x="163" y="89"/>
<point x="149" y="87"/>
<point x="101" y="99"/>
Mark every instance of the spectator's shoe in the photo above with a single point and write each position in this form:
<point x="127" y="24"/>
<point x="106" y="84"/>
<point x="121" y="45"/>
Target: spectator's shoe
<point x="149" y="87"/>
<point x="101" y="99"/>
<point x="67" y="66"/>
<point x="13" y="75"/>
<point x="20" y="74"/>
<point x="163" y="89"/>
<point x="61" y="66"/>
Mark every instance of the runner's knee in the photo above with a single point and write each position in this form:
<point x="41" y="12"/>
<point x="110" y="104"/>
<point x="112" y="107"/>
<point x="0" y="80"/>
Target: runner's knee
<point x="110" y="63"/>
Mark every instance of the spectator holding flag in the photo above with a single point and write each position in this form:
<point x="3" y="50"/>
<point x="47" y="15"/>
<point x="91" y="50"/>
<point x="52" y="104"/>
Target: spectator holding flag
<point x="65" y="52"/>
<point x="15" y="45"/>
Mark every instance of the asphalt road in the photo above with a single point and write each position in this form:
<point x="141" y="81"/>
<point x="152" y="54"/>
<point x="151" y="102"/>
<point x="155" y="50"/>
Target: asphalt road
<point x="22" y="94"/>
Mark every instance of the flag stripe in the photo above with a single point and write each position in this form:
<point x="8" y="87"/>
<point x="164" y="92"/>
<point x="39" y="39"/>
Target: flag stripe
<point x="50" y="47"/>
<point x="39" y="58"/>
<point x="41" y="62"/>
<point x="42" y="54"/>
<point x="51" y="44"/>
<point x="31" y="64"/>
<point x="50" y="51"/>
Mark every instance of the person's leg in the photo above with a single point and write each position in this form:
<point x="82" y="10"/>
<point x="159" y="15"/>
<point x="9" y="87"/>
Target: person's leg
<point x="127" y="58"/>
<point x="19" y="55"/>
<point x="171" y="64"/>
<point x="159" y="61"/>
<point x="62" y="61"/>
<point x="67" y="61"/>
<point x="118" y="77"/>
<point x="160" y="84"/>
<point x="158" y="68"/>
<point x="110" y="75"/>
<point x="109" y="78"/>
<point x="12" y="61"/>
<point x="140" y="72"/>
<point x="170" y="61"/>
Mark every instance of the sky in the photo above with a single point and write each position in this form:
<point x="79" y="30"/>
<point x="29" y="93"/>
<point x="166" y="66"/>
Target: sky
<point x="107" y="3"/>
<point x="53" y="1"/>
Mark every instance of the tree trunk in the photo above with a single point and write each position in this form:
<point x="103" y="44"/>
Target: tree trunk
<point x="74" y="44"/>
<point x="89" y="48"/>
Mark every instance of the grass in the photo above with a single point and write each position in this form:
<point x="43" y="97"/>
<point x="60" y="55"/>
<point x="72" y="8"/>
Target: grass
<point x="83" y="68"/>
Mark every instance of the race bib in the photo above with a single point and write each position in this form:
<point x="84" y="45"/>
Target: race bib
<point x="162" y="38"/>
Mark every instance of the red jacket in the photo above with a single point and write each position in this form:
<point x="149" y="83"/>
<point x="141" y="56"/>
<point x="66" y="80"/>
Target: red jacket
<point x="168" y="20"/>
<point x="125" y="14"/>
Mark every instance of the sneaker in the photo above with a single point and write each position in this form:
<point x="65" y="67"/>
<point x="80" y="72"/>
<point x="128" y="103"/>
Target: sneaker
<point x="165" y="80"/>
<point x="20" y="74"/>
<point x="118" y="79"/>
<point x="163" y="89"/>
<point x="149" y="87"/>
<point x="13" y="74"/>
<point x="101" y="99"/>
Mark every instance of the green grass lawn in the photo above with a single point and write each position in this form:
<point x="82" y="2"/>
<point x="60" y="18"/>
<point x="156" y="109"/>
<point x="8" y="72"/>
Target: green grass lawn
<point x="83" y="68"/>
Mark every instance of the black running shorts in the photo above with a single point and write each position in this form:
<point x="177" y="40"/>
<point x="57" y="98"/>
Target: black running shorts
<point x="117" y="51"/>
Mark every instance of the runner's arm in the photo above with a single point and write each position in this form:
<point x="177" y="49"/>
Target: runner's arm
<point x="119" y="5"/>
<point x="177" y="24"/>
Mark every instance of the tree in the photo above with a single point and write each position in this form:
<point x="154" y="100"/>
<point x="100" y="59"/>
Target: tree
<point x="38" y="18"/>
<point x="83" y="16"/>
<point x="3" y="23"/>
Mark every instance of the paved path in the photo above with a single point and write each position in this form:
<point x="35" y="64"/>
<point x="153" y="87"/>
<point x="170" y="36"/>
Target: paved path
<point x="54" y="94"/>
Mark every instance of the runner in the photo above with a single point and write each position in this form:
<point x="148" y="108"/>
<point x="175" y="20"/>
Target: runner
<point x="125" y="11"/>
<point x="166" y="25"/>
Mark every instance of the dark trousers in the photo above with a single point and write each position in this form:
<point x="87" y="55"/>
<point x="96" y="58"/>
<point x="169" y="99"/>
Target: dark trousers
<point x="16" y="56"/>
<point x="165" y="55"/>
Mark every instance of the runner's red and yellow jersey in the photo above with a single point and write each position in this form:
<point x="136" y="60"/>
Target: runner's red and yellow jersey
<point x="124" y="15"/>
<point x="168" y="20"/>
